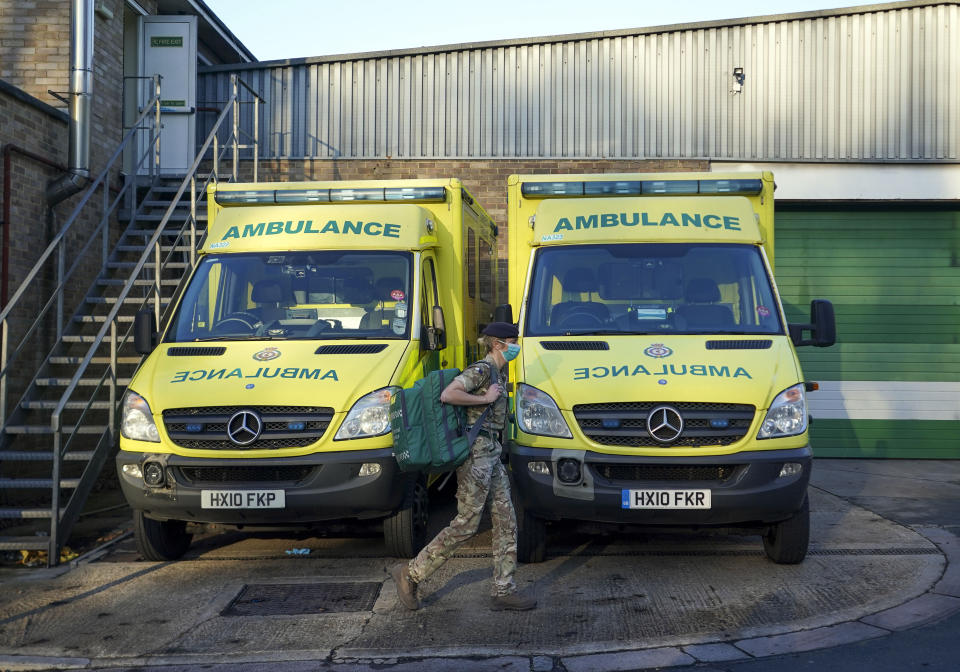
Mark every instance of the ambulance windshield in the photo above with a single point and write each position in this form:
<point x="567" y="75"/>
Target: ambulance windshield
<point x="297" y="295"/>
<point x="658" y="288"/>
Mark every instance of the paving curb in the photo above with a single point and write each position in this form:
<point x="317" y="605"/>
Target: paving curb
<point x="941" y="600"/>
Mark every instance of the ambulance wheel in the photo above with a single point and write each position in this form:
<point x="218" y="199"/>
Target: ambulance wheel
<point x="531" y="537"/>
<point x="159" y="540"/>
<point x="405" y="532"/>
<point x="786" y="543"/>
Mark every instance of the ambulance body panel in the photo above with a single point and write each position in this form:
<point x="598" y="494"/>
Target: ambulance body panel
<point x="265" y="400"/>
<point x="658" y="382"/>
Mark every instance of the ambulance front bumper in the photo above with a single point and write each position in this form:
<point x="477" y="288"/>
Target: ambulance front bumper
<point x="744" y="489"/>
<point x="312" y="488"/>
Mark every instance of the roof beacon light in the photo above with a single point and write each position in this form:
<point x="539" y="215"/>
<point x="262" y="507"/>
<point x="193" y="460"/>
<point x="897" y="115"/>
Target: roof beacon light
<point x="636" y="188"/>
<point x="604" y="188"/>
<point x="237" y="197"/>
<point x="422" y="194"/>
<point x="670" y="186"/>
<point x="731" y="186"/>
<point x="548" y="189"/>
<point x="303" y="195"/>
<point x="356" y="195"/>
<point x="308" y="196"/>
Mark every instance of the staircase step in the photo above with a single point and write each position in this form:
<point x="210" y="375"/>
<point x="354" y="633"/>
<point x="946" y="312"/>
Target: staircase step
<point x="24" y="543"/>
<point x="132" y="264"/>
<point x="164" y="248"/>
<point x="83" y="382"/>
<point x="47" y="429"/>
<point x="94" y="360"/>
<point x="112" y="300"/>
<point x="44" y="456"/>
<point x="22" y="514"/>
<point x="166" y="232"/>
<point x="71" y="405"/>
<point x="36" y="483"/>
<point x="100" y="319"/>
<point x="120" y="282"/>
<point x="84" y="338"/>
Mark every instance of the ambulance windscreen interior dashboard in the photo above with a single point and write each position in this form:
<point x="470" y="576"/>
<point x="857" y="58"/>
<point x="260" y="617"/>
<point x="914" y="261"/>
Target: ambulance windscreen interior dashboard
<point x="641" y="288"/>
<point x="297" y="295"/>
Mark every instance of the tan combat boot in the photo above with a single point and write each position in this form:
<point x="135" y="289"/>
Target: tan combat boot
<point x="512" y="602"/>
<point x="406" y="587"/>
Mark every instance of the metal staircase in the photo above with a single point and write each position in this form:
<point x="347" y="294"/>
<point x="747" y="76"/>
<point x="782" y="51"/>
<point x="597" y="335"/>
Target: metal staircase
<point x="62" y="430"/>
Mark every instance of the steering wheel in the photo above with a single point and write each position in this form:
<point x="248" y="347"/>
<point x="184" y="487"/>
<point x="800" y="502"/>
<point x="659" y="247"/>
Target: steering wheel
<point x="248" y="320"/>
<point x="580" y="319"/>
<point x="321" y="325"/>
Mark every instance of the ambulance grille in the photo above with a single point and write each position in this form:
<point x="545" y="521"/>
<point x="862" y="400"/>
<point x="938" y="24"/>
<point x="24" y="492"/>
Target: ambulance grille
<point x="210" y="351"/>
<point x="246" y="474"/>
<point x="574" y="345"/>
<point x="664" y="472"/>
<point x="763" y="344"/>
<point x="351" y="349"/>
<point x="625" y="423"/>
<point x="281" y="426"/>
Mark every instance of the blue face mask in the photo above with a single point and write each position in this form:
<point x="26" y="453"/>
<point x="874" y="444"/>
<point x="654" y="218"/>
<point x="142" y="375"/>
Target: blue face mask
<point x="511" y="352"/>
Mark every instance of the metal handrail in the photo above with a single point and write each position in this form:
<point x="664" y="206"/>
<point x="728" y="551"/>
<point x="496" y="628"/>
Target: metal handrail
<point x="151" y="248"/>
<point x="57" y="244"/>
<point x="60" y="528"/>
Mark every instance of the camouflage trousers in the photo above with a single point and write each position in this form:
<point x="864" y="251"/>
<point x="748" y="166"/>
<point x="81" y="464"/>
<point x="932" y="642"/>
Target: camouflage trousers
<point x="481" y="477"/>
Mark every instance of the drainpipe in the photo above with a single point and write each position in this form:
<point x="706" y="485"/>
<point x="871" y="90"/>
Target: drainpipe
<point x="81" y="98"/>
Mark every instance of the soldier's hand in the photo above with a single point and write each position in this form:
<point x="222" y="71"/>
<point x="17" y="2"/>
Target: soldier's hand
<point x="493" y="393"/>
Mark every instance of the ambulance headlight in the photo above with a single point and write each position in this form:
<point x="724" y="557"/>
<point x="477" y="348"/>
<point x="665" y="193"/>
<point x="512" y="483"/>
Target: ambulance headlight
<point x="136" y="420"/>
<point x="370" y="416"/>
<point x="537" y="413"/>
<point x="787" y="415"/>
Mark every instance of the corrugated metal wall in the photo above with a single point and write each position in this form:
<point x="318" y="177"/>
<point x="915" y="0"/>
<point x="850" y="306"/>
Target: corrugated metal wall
<point x="881" y="85"/>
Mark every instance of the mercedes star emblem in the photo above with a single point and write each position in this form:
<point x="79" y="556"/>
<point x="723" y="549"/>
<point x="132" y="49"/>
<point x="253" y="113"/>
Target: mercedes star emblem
<point x="244" y="427"/>
<point x="665" y="424"/>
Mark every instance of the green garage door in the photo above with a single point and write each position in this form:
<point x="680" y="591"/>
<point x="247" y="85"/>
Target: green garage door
<point x="891" y="385"/>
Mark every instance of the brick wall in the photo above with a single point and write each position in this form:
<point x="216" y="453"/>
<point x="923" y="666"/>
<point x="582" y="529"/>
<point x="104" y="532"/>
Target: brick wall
<point x="486" y="179"/>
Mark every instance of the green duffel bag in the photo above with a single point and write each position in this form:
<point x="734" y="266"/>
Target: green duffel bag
<point x="429" y="435"/>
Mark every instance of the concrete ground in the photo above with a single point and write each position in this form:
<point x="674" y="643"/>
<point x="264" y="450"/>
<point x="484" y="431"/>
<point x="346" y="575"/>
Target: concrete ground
<point x="884" y="558"/>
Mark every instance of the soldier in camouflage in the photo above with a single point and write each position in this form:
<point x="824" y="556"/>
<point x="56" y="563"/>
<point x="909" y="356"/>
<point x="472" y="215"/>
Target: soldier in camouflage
<point x="481" y="476"/>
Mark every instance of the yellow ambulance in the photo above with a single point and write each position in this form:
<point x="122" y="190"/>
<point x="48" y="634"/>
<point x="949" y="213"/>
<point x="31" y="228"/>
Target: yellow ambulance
<point x="657" y="382"/>
<point x="264" y="400"/>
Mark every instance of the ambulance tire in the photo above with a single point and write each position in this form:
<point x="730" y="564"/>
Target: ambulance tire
<point x="159" y="540"/>
<point x="405" y="532"/>
<point x="786" y="542"/>
<point x="531" y="537"/>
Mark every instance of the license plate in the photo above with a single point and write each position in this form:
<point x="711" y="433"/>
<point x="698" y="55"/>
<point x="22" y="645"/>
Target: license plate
<point x="665" y="499"/>
<point x="242" y="499"/>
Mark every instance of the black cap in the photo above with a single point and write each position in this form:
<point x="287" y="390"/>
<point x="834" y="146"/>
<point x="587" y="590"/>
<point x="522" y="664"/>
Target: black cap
<point x="501" y="330"/>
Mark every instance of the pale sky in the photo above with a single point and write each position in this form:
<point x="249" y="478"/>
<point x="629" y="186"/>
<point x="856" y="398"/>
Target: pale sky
<point x="282" y="29"/>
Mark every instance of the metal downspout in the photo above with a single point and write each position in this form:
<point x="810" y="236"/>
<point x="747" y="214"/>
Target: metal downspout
<point x="81" y="102"/>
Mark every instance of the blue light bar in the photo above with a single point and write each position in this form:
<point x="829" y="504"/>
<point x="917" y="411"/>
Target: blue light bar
<point x="547" y="189"/>
<point x="636" y="188"/>
<point x="307" y="196"/>
<point x="731" y="186"/>
<point x="605" y="188"/>
<point x="356" y="195"/>
<point x="235" y="197"/>
<point x="303" y="195"/>
<point x="670" y="186"/>
<point x="421" y="194"/>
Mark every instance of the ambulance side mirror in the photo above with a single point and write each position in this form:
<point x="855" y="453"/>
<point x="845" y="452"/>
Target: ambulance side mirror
<point x="823" y="326"/>
<point x="503" y="313"/>
<point x="437" y="333"/>
<point x="144" y="331"/>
